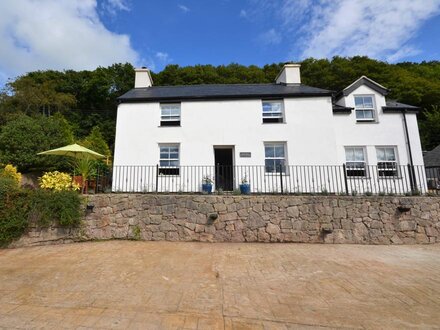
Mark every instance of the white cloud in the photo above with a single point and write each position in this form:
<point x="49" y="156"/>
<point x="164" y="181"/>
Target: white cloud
<point x="163" y="58"/>
<point x="183" y="8"/>
<point x="270" y="37"/>
<point x="374" y="28"/>
<point x="243" y="13"/>
<point x="112" y="6"/>
<point x="55" y="34"/>
<point x="383" y="29"/>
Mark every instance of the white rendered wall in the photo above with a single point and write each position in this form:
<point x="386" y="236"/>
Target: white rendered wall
<point x="313" y="136"/>
<point x="205" y="124"/>
<point x="388" y="130"/>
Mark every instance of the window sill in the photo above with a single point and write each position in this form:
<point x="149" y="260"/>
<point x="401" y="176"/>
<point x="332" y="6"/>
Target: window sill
<point x="274" y="123"/>
<point x="169" y="126"/>
<point x="367" y="122"/>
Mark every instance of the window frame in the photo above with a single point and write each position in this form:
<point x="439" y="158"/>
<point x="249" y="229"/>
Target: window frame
<point x="363" y="109"/>
<point x="275" y="158"/>
<point x="355" y="169"/>
<point x="394" y="170"/>
<point x="280" y="119"/>
<point x="169" y="170"/>
<point x="167" y="119"/>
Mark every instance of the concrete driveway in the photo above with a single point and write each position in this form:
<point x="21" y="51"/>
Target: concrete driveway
<point x="163" y="285"/>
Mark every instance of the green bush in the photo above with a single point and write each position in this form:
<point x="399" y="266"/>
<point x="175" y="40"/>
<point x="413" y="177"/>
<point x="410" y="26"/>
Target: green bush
<point x="13" y="219"/>
<point x="21" y="207"/>
<point x="63" y="207"/>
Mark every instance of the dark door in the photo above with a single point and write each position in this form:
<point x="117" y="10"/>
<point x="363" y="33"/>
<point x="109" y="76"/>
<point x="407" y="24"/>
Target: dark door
<point x="224" y="170"/>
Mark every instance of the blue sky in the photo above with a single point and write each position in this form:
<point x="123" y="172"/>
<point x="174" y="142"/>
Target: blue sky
<point x="84" y="34"/>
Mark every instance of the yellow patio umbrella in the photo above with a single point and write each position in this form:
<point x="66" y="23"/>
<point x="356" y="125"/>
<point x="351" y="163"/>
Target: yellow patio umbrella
<point x="75" y="151"/>
<point x="82" y="157"/>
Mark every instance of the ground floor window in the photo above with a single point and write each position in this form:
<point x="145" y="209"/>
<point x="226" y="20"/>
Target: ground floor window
<point x="386" y="161"/>
<point x="275" y="157"/>
<point x="355" y="161"/>
<point x="169" y="159"/>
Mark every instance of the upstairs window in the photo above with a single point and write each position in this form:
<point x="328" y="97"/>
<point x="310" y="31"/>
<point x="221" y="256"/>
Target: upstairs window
<point x="386" y="162"/>
<point x="364" y="106"/>
<point x="169" y="159"/>
<point x="355" y="162"/>
<point x="272" y="112"/>
<point x="275" y="157"/>
<point x="170" y="114"/>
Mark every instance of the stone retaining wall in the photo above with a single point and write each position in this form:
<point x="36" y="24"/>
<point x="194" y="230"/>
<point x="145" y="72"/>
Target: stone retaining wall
<point x="225" y="218"/>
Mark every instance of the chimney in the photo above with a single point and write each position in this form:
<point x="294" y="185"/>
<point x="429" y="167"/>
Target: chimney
<point x="142" y="78"/>
<point x="290" y="74"/>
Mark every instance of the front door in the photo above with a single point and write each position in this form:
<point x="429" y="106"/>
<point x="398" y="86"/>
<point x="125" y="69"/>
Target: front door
<point x="224" y="169"/>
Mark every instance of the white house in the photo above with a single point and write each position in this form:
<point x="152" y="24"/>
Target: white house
<point x="281" y="136"/>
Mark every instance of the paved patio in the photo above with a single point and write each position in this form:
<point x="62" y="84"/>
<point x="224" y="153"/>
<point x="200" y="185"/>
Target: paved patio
<point x="163" y="285"/>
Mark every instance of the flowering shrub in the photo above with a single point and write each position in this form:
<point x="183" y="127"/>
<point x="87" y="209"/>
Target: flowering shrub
<point x="57" y="181"/>
<point x="10" y="171"/>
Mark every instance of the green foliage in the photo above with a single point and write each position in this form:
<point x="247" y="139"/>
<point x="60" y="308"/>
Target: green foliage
<point x="86" y="167"/>
<point x="95" y="141"/>
<point x="22" y="138"/>
<point x="13" y="211"/>
<point x="136" y="230"/>
<point x="89" y="98"/>
<point x="45" y="207"/>
<point x="19" y="208"/>
<point x="430" y="127"/>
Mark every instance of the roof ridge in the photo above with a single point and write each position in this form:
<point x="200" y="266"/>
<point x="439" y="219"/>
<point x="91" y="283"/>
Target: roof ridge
<point x="229" y="84"/>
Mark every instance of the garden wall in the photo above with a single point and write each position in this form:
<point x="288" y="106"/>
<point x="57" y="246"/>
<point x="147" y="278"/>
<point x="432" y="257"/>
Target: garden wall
<point x="226" y="218"/>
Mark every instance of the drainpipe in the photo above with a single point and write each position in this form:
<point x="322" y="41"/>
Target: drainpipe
<point x="411" y="163"/>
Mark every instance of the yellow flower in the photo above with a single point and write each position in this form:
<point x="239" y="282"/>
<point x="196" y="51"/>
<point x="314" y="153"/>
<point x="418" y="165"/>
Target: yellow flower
<point x="10" y="171"/>
<point x="57" y="181"/>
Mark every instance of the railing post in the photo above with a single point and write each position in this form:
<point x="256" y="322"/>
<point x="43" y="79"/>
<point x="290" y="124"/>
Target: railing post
<point x="281" y="179"/>
<point x="411" y="177"/>
<point x="345" y="178"/>
<point x="157" y="178"/>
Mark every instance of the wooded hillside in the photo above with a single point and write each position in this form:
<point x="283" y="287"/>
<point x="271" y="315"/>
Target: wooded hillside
<point x="87" y="99"/>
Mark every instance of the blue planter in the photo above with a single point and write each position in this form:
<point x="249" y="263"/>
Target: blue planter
<point x="207" y="188"/>
<point x="245" y="188"/>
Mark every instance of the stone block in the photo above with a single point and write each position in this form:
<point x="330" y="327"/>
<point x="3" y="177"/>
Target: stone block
<point x="293" y="212"/>
<point x="158" y="236"/>
<point x="272" y="229"/>
<point x="229" y="216"/>
<point x="166" y="226"/>
<point x="407" y="225"/>
<point x="339" y="213"/>
<point x="286" y="224"/>
<point x="199" y="228"/>
<point x="255" y="221"/>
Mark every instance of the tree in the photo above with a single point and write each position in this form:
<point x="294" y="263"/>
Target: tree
<point x="430" y="128"/>
<point x="22" y="138"/>
<point x="95" y="141"/>
<point x="33" y="97"/>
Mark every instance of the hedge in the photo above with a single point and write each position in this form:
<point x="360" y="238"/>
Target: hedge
<point x="21" y="207"/>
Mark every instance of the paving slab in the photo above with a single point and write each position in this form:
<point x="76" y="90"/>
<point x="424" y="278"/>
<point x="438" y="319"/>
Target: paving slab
<point x="177" y="285"/>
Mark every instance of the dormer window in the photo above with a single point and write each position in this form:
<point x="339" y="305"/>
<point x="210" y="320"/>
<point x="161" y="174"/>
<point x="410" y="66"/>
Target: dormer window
<point x="170" y="114"/>
<point x="364" y="106"/>
<point x="273" y="112"/>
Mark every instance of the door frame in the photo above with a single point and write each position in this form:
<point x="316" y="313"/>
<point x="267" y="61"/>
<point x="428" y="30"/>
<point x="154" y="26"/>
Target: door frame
<point x="228" y="147"/>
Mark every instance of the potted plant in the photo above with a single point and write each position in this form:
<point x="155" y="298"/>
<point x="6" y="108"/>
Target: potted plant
<point x="245" y="187"/>
<point x="86" y="168"/>
<point x="207" y="182"/>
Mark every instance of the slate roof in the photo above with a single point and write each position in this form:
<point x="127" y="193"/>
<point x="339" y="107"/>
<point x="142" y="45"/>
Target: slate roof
<point x="432" y="158"/>
<point x="393" y="106"/>
<point x="364" y="80"/>
<point x="220" y="92"/>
